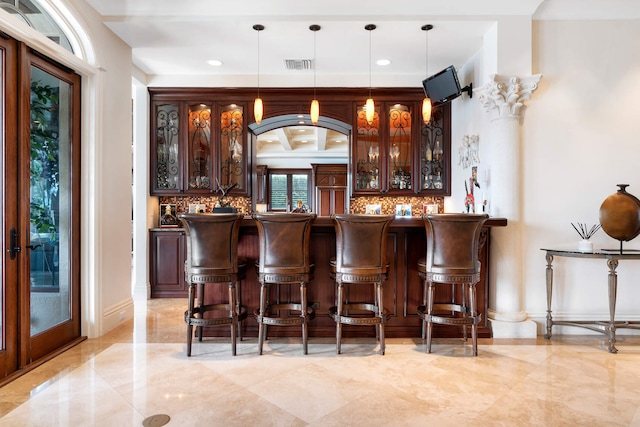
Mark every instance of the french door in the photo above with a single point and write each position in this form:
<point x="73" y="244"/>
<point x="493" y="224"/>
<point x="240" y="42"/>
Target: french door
<point x="40" y="208"/>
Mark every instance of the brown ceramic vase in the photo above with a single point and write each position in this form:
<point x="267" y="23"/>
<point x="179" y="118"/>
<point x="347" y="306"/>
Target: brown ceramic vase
<point x="620" y="215"/>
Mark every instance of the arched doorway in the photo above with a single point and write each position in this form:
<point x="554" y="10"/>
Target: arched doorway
<point x="288" y="148"/>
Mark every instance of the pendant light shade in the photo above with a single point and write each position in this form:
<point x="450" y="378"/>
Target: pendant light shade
<point x="426" y="110"/>
<point x="315" y="104"/>
<point x="258" y="109"/>
<point x="369" y="106"/>
<point x="426" y="102"/>
<point x="315" y="111"/>
<point x="369" y="110"/>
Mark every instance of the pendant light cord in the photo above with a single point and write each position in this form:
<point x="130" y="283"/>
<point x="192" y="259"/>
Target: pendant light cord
<point x="370" y="61"/>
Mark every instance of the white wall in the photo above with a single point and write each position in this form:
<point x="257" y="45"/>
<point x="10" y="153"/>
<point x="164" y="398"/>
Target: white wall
<point x="106" y="176"/>
<point x="580" y="138"/>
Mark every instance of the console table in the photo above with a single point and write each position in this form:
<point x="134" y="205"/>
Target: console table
<point x="612" y="257"/>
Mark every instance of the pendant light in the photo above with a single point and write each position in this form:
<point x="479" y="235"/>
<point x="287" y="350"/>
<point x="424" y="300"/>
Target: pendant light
<point x="369" y="107"/>
<point x="426" y="102"/>
<point x="257" y="104"/>
<point x="315" y="105"/>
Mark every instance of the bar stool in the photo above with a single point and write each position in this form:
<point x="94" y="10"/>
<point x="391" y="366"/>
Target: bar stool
<point x="284" y="260"/>
<point x="453" y="242"/>
<point x="212" y="257"/>
<point x="361" y="258"/>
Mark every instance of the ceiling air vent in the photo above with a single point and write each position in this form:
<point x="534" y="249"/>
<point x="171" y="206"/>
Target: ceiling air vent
<point x="298" y="64"/>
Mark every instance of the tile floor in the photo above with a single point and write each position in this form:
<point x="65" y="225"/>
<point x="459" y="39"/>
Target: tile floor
<point x="140" y="370"/>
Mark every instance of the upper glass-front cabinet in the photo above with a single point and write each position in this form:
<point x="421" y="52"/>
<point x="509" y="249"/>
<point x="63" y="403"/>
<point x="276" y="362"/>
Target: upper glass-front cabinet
<point x="168" y="156"/>
<point x="198" y="148"/>
<point x="233" y="165"/>
<point x="400" y="147"/>
<point x="435" y="153"/>
<point x="367" y="153"/>
<point x="398" y="154"/>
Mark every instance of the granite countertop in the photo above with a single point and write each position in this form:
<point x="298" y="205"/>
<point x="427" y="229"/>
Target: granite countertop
<point x="325" y="221"/>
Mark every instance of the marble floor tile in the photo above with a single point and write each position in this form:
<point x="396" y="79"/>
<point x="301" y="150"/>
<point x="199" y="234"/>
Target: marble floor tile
<point x="140" y="369"/>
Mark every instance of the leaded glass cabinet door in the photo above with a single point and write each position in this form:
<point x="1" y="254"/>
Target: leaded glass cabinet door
<point x="233" y="158"/>
<point x="400" y="147"/>
<point x="367" y="153"/>
<point x="199" y="149"/>
<point x="435" y="153"/>
<point x="166" y="153"/>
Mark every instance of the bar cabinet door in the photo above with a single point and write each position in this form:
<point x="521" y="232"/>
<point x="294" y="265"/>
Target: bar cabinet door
<point x="367" y="154"/>
<point x="435" y="153"/>
<point x="166" y="149"/>
<point x="234" y="161"/>
<point x="400" y="148"/>
<point x="199" y="149"/>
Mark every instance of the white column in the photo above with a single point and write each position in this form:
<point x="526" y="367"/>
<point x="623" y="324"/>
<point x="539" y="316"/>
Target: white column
<point x="503" y="97"/>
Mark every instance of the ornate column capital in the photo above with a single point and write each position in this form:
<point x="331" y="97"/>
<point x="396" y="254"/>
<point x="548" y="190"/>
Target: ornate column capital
<point x="507" y="94"/>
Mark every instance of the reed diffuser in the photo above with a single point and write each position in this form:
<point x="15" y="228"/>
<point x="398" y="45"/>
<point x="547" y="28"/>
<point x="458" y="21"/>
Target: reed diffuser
<point x="585" y="232"/>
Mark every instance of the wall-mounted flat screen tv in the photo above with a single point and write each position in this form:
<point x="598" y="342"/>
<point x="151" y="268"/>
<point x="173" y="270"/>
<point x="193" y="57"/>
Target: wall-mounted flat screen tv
<point x="442" y="87"/>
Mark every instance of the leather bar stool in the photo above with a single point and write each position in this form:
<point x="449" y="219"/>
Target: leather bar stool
<point x="361" y="258"/>
<point x="453" y="243"/>
<point x="212" y="258"/>
<point x="284" y="260"/>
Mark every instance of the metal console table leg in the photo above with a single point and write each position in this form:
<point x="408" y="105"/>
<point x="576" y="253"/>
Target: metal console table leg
<point x="549" y="293"/>
<point x="613" y="289"/>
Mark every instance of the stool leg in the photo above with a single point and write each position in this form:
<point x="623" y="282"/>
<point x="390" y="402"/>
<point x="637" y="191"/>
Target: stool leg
<point x="424" y="302"/>
<point x="376" y="303"/>
<point x="261" y="313"/>
<point x="380" y="315"/>
<point x="430" y="296"/>
<point x="464" y="304"/>
<point x="474" y="325"/>
<point x="234" y="315"/>
<point x="200" y="304"/>
<point x="340" y="290"/>
<point x="189" y="317"/>
<point x="238" y="304"/>
<point x="303" y="313"/>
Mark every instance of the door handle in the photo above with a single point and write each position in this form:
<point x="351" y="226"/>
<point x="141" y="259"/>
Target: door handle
<point x="33" y="247"/>
<point x="14" y="249"/>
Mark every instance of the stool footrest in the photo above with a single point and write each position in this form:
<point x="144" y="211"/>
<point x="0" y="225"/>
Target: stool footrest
<point x="448" y="320"/>
<point x="295" y="320"/>
<point x="359" y="320"/>
<point x="197" y="321"/>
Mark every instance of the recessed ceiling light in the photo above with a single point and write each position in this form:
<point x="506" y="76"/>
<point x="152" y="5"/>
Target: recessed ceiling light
<point x="383" y="62"/>
<point x="214" y="62"/>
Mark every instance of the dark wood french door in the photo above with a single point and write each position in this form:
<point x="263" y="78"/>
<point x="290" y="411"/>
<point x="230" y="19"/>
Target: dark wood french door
<point x="40" y="298"/>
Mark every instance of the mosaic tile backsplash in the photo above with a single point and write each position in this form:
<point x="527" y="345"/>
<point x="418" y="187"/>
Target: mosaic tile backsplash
<point x="357" y="204"/>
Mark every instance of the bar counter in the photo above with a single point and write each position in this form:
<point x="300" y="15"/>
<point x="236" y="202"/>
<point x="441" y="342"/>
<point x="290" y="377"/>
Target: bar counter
<point x="403" y="289"/>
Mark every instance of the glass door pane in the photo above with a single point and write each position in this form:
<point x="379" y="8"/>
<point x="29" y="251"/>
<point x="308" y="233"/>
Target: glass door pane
<point x="400" y="152"/>
<point x="200" y="162"/>
<point x="232" y="156"/>
<point x="367" y="153"/>
<point x="50" y="197"/>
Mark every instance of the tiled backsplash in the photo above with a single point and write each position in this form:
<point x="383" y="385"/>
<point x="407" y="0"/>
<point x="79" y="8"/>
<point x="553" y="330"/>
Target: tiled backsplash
<point x="358" y="204"/>
<point x="388" y="204"/>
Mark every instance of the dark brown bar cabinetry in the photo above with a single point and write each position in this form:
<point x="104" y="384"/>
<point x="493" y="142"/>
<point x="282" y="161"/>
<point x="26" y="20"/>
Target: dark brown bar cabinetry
<point x="403" y="289"/>
<point x="167" y="256"/>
